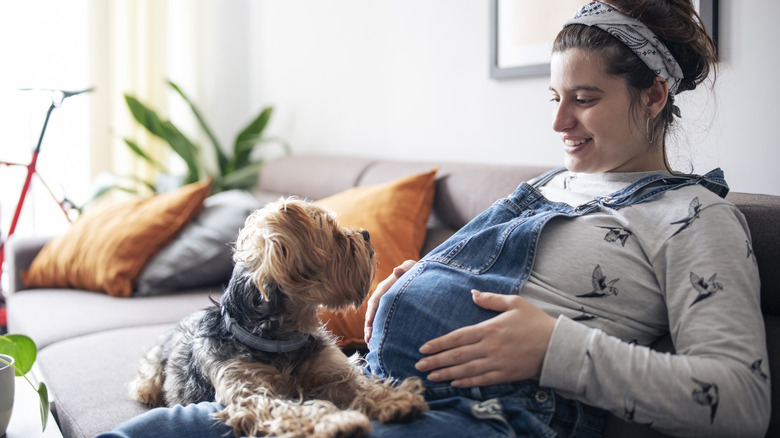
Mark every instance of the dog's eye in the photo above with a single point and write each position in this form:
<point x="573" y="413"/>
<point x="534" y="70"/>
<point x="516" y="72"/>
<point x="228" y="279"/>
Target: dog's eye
<point x="366" y="236"/>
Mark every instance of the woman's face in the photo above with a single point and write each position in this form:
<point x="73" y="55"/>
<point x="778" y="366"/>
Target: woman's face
<point x="600" y="130"/>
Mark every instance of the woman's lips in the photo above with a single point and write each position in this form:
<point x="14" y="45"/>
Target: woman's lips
<point x="573" y="145"/>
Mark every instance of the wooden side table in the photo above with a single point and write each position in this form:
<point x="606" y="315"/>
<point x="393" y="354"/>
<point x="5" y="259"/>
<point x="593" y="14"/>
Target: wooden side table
<point x="26" y="418"/>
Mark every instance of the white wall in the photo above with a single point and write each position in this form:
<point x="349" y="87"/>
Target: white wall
<point x="409" y="79"/>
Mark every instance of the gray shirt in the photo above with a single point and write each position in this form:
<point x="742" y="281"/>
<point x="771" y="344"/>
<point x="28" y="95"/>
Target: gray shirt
<point x="618" y="280"/>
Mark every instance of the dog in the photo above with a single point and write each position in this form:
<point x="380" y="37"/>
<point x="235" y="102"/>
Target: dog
<point x="262" y="351"/>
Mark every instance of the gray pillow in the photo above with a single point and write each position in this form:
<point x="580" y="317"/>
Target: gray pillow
<point x="200" y="255"/>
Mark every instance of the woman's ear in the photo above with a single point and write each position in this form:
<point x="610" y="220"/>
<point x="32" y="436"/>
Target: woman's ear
<point x="656" y="96"/>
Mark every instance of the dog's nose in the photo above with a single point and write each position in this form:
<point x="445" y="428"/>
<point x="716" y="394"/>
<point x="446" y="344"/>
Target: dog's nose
<point x="366" y="236"/>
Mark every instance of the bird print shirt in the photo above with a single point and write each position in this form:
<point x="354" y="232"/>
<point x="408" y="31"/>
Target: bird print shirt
<point x="679" y="267"/>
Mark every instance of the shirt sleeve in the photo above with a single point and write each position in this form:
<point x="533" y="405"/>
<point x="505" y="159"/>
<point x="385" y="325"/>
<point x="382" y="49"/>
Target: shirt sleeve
<point x="717" y="382"/>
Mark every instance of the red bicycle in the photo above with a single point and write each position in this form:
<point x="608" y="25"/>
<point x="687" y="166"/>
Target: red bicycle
<point x="57" y="98"/>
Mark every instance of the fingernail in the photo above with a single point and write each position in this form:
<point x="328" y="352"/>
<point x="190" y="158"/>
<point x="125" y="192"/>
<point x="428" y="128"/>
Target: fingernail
<point x="420" y="366"/>
<point x="425" y="349"/>
<point x="434" y="376"/>
<point x="475" y="293"/>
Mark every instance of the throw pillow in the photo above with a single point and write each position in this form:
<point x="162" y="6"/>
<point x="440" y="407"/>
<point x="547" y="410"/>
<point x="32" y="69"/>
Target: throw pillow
<point x="106" y="249"/>
<point x="395" y="215"/>
<point x="200" y="255"/>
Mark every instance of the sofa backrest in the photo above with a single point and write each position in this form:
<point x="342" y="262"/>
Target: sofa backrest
<point x="464" y="190"/>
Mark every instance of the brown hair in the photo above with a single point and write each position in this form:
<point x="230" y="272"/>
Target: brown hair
<point x="679" y="27"/>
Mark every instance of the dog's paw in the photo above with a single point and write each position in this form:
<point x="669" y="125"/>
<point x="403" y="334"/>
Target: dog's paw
<point x="147" y="386"/>
<point x="343" y="424"/>
<point x="402" y="411"/>
<point x="243" y="423"/>
<point x="403" y="404"/>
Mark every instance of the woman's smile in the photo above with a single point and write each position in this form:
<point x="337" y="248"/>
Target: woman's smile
<point x="572" y="145"/>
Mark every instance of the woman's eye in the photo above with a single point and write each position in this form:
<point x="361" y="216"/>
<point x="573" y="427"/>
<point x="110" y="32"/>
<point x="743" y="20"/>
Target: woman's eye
<point x="584" y="101"/>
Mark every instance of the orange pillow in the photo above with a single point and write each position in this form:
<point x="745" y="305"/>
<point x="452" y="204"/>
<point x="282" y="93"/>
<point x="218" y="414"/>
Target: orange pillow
<point x="106" y="249"/>
<point x="395" y="215"/>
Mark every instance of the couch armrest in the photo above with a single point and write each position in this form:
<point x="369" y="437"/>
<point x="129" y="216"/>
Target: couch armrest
<point x="19" y="254"/>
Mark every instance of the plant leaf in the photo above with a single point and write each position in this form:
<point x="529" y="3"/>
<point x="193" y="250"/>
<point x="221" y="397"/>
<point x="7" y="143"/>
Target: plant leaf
<point x="141" y="153"/>
<point x="147" y="117"/>
<point x="249" y="137"/>
<point x="43" y="394"/>
<point x="183" y="147"/>
<point x="166" y="130"/>
<point x="222" y="159"/>
<point x="244" y="178"/>
<point x="22" y="349"/>
<point x="122" y="187"/>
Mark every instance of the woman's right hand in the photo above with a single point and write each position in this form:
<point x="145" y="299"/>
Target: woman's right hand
<point x="381" y="289"/>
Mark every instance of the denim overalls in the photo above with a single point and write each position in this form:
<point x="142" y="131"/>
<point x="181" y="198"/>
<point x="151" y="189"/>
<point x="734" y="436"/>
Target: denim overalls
<point x="493" y="253"/>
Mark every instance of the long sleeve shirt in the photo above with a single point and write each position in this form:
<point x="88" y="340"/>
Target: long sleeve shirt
<point x="620" y="280"/>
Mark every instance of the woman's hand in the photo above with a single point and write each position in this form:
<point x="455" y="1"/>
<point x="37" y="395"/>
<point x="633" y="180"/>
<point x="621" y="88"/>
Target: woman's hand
<point x="381" y="289"/>
<point x="508" y="347"/>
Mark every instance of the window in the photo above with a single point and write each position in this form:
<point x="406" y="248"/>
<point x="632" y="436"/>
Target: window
<point x="44" y="44"/>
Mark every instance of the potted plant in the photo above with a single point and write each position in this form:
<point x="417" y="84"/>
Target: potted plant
<point x="24" y="352"/>
<point x="236" y="167"/>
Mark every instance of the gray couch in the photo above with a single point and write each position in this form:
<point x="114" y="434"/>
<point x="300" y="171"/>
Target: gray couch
<point x="90" y="342"/>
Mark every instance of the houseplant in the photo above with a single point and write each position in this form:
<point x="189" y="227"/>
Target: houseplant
<point x="235" y="169"/>
<point x="24" y="351"/>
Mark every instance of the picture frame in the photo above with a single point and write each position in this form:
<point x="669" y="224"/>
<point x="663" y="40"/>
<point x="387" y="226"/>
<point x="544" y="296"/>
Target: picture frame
<point x="521" y="33"/>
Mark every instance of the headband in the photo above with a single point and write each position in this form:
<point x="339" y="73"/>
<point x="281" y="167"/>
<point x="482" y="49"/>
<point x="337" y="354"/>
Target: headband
<point x="634" y="34"/>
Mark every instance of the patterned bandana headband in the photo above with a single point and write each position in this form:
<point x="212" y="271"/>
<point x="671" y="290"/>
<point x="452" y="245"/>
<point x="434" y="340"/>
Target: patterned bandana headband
<point x="634" y="34"/>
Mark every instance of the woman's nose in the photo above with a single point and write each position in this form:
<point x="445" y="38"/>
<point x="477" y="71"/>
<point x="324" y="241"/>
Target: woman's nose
<point x="562" y="119"/>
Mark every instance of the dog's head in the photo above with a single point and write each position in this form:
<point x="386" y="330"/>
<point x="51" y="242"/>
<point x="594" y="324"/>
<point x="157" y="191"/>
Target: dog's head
<point x="301" y="249"/>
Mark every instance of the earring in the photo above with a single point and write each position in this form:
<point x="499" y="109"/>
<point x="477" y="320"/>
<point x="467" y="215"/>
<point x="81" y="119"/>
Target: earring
<point x="650" y="132"/>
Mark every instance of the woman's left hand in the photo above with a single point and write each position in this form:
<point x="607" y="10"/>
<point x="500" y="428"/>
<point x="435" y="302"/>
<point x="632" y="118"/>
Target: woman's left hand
<point x="508" y="347"/>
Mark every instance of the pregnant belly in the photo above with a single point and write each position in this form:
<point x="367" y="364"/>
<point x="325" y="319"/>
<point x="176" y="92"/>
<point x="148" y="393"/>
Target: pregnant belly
<point x="427" y="302"/>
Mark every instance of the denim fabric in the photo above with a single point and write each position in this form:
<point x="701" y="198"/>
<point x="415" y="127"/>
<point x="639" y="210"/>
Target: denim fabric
<point x="494" y="253"/>
<point x="191" y="421"/>
<point x="507" y="410"/>
<point x="502" y="411"/>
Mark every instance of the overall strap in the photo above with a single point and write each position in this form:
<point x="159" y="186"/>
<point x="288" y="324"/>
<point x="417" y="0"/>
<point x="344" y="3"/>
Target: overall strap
<point x="545" y="177"/>
<point x="653" y="185"/>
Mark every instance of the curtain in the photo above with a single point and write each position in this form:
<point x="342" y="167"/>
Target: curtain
<point x="128" y="48"/>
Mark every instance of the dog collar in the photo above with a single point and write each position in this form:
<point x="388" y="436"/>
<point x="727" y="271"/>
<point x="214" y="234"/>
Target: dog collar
<point x="260" y="343"/>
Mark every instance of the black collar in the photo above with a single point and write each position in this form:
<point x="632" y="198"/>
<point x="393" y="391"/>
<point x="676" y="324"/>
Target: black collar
<point x="260" y="343"/>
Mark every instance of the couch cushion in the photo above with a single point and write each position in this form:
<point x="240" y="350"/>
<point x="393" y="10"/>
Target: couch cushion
<point x="88" y="376"/>
<point x="106" y="249"/>
<point x="51" y="315"/>
<point x="200" y="255"/>
<point x="761" y="214"/>
<point x="395" y="214"/>
<point x="462" y="190"/>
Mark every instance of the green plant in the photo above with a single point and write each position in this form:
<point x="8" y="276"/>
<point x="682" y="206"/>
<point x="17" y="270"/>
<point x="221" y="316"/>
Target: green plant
<point x="238" y="170"/>
<point x="24" y="351"/>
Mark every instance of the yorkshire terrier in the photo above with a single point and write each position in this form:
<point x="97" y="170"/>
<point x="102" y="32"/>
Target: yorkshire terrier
<point x="263" y="353"/>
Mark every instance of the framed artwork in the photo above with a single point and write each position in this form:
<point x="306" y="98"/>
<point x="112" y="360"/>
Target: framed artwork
<point x="521" y="33"/>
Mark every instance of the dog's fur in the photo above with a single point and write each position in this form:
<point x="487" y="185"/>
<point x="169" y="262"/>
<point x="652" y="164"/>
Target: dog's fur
<point x="291" y="258"/>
